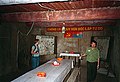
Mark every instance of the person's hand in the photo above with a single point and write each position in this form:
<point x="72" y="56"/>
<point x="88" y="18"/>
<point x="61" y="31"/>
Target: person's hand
<point x="80" y="57"/>
<point x="98" y="66"/>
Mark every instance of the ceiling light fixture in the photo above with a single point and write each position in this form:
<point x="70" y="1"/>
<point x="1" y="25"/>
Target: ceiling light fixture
<point x="63" y="28"/>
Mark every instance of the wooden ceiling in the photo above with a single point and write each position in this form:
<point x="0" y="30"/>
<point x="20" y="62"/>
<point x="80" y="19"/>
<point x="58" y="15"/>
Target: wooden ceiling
<point x="72" y="6"/>
<point x="56" y="6"/>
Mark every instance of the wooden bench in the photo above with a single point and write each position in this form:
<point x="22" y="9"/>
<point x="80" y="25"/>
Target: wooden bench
<point x="75" y="75"/>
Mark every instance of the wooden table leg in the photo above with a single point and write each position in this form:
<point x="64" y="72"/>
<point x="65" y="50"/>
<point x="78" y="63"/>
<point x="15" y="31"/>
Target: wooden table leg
<point x="79" y="62"/>
<point x="75" y="61"/>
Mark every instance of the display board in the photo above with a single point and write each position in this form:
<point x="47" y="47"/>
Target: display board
<point x="47" y="44"/>
<point x="103" y="45"/>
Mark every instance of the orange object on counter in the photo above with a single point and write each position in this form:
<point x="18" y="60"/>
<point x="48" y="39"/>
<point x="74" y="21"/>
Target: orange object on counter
<point x="41" y="74"/>
<point x="59" y="59"/>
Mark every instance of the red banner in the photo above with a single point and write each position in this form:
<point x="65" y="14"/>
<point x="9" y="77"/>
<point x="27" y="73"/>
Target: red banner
<point x="75" y="29"/>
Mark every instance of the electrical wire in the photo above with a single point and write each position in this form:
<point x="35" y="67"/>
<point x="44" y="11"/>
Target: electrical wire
<point x="46" y="7"/>
<point x="28" y="31"/>
<point x="30" y="28"/>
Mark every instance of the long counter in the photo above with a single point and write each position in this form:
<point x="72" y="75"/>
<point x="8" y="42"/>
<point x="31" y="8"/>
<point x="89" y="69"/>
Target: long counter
<point x="53" y="73"/>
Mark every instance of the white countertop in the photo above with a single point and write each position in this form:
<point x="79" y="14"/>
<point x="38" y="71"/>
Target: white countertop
<point x="70" y="54"/>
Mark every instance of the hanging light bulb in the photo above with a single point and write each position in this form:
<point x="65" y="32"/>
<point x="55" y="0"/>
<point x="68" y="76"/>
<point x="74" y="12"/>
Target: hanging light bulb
<point x="63" y="29"/>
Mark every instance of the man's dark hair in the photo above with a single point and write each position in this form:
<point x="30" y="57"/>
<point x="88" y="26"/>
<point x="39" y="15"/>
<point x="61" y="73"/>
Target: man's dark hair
<point x="94" y="42"/>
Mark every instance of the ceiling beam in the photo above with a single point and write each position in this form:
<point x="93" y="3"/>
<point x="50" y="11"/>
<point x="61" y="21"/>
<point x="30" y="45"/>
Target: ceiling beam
<point x="64" y="15"/>
<point x="74" y="23"/>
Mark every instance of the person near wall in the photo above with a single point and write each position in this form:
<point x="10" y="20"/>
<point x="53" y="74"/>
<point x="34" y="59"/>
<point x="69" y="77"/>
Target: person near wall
<point x="35" y="54"/>
<point x="93" y="59"/>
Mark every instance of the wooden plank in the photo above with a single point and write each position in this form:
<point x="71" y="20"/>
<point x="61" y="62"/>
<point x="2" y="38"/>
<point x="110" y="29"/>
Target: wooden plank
<point x="75" y="75"/>
<point x="64" y="15"/>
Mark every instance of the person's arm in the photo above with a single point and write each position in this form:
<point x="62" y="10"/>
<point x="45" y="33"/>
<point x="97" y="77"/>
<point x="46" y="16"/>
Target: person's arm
<point x="98" y="61"/>
<point x="82" y="55"/>
<point x="33" y="51"/>
<point x="98" y="64"/>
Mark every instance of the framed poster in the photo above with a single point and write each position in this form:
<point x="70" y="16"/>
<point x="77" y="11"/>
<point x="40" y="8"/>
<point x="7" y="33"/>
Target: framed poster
<point x="47" y="44"/>
<point x="102" y="45"/>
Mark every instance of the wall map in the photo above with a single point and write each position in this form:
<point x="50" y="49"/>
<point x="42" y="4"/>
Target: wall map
<point x="47" y="44"/>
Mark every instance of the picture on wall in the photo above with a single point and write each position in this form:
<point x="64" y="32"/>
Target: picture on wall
<point x="103" y="46"/>
<point x="47" y="44"/>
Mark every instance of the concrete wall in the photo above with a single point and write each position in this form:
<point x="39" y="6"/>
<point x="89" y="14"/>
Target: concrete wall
<point x="7" y="48"/>
<point x="116" y="51"/>
<point x="13" y="42"/>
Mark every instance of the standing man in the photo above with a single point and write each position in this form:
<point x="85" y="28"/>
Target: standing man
<point x="93" y="59"/>
<point x="35" y="54"/>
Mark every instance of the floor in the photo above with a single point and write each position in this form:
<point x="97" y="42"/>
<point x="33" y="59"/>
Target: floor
<point x="101" y="77"/>
<point x="9" y="77"/>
